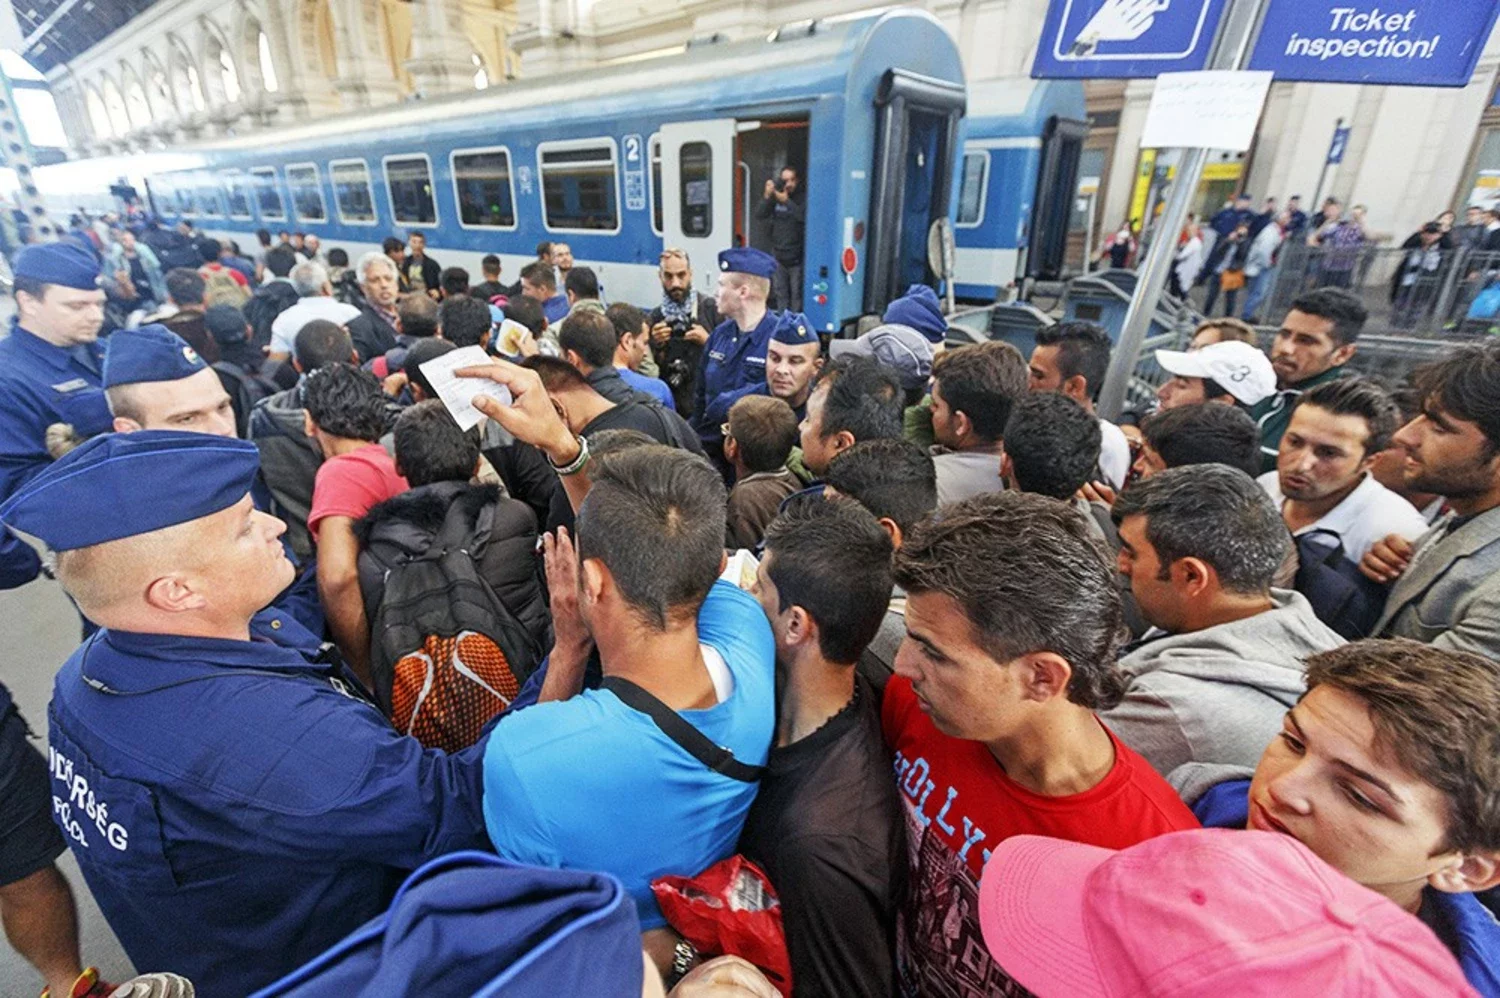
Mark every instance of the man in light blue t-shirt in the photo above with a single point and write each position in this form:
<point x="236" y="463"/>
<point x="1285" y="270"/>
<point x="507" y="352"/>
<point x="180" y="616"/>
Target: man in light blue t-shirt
<point x="580" y="779"/>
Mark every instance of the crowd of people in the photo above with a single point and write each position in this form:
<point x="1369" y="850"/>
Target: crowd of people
<point x="860" y="667"/>
<point x="1239" y="255"/>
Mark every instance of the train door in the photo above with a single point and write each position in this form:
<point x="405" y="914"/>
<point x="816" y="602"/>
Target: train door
<point x="1056" y="187"/>
<point x="698" y="195"/>
<point x="914" y="167"/>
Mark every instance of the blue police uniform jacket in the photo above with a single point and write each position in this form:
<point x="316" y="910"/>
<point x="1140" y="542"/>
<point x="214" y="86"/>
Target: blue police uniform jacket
<point x="42" y="384"/>
<point x="733" y="366"/>
<point x="237" y="807"/>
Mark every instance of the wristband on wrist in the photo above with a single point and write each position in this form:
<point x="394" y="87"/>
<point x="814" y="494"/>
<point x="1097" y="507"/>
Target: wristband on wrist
<point x="574" y="466"/>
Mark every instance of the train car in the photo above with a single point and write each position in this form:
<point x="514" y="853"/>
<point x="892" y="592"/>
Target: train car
<point x="1021" y="147"/>
<point x="618" y="162"/>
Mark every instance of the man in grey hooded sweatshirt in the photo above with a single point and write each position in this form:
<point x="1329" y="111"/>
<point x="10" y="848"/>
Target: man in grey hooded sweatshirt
<point x="1211" y="680"/>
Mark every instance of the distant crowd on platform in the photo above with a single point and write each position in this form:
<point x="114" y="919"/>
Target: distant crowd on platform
<point x="1242" y="250"/>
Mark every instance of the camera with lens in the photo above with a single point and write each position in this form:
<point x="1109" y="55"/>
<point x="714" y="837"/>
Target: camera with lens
<point x="679" y="328"/>
<point x="678" y="372"/>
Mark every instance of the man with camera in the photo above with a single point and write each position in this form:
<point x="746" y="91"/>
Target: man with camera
<point x="782" y="204"/>
<point x="679" y="327"/>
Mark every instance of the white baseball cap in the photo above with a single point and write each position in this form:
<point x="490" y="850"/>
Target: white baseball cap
<point x="1239" y="368"/>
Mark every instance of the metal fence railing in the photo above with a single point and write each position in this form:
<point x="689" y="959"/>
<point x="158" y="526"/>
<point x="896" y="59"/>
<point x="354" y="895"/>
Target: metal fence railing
<point x="1408" y="292"/>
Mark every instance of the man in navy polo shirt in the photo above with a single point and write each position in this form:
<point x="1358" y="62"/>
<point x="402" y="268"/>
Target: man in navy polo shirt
<point x="52" y="361"/>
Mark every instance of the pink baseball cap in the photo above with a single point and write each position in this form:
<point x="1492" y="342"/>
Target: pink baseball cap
<point x="1211" y="912"/>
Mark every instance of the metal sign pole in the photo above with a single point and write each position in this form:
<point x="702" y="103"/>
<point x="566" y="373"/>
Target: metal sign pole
<point x="1327" y="162"/>
<point x="1088" y="233"/>
<point x="1231" y="52"/>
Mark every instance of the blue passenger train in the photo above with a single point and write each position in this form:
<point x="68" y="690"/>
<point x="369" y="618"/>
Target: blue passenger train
<point x="1022" y="140"/>
<point x="620" y="162"/>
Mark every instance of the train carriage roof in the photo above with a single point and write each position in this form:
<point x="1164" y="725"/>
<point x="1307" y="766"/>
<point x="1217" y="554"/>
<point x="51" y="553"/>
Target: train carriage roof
<point x="799" y="63"/>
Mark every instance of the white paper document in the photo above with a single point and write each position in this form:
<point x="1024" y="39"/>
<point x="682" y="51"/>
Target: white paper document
<point x="741" y="569"/>
<point x="1212" y="109"/>
<point x="458" y="393"/>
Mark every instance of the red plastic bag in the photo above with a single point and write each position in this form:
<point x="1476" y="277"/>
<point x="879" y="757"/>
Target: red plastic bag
<point x="730" y="909"/>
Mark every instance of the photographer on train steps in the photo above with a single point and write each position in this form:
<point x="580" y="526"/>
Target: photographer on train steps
<point x="782" y="203"/>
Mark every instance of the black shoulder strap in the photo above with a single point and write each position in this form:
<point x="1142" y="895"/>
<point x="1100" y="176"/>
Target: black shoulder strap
<point x="677" y="728"/>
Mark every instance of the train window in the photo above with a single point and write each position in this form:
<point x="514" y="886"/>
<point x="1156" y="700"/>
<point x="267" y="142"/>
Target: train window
<point x="208" y="197"/>
<point x="267" y="196"/>
<point x="696" y="160"/>
<point x="655" y="184"/>
<point x="185" y="205"/>
<point x="408" y="179"/>
<point x="971" y="191"/>
<point x="482" y="184"/>
<point x="238" y="195"/>
<point x="351" y="189"/>
<point x="579" y="186"/>
<point x="159" y="193"/>
<point x="307" y="193"/>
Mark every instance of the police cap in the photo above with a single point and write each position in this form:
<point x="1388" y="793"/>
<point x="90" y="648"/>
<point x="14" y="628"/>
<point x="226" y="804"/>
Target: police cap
<point x="747" y="260"/>
<point x="793" y="329"/>
<point x="150" y="353"/>
<point x="122" y="484"/>
<point x="63" y="262"/>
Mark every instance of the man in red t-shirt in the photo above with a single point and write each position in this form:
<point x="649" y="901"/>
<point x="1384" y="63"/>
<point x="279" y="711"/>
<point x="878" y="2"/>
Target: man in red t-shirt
<point x="345" y="412"/>
<point x="1013" y="624"/>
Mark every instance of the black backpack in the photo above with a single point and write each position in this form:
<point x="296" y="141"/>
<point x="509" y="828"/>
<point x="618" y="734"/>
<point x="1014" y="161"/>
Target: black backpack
<point x="269" y="301"/>
<point x="245" y="389"/>
<point x="445" y="651"/>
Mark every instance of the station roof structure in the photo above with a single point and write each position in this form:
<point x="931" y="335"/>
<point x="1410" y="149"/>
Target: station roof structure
<point x="56" y="31"/>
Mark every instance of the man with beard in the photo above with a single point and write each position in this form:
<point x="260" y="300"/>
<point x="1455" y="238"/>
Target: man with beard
<point x="679" y="326"/>
<point x="1447" y="585"/>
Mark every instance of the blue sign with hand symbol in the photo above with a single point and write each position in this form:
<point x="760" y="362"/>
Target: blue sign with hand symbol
<point x="1126" y="38"/>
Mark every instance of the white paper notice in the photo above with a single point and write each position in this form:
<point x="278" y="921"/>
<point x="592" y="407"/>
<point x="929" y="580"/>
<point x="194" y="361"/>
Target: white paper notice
<point x="1213" y="109"/>
<point x="458" y="393"/>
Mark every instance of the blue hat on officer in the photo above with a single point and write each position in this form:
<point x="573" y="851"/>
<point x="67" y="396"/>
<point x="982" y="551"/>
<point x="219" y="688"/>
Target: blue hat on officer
<point x="122" y="484"/>
<point x="793" y="329"/>
<point x="150" y="353"/>
<point x="919" y="309"/>
<point x="747" y="260"/>
<point x="63" y="262"/>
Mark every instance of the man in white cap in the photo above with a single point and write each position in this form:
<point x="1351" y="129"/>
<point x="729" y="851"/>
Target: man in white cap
<point x="1228" y="372"/>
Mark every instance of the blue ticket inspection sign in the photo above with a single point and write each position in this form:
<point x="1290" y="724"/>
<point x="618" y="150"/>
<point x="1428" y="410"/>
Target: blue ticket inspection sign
<point x="1433" y="43"/>
<point x="1117" y="39"/>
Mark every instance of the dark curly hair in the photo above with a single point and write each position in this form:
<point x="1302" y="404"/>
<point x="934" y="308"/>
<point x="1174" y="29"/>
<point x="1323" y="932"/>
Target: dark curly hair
<point x="346" y="402"/>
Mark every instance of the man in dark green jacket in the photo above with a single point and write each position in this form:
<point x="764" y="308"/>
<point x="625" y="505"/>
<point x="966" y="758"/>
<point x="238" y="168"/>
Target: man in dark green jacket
<point x="1315" y="341"/>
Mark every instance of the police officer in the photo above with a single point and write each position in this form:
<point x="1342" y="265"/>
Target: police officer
<point x="154" y="380"/>
<point x="235" y="801"/>
<point x="793" y="360"/>
<point x="50" y="364"/>
<point x="734" y="359"/>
